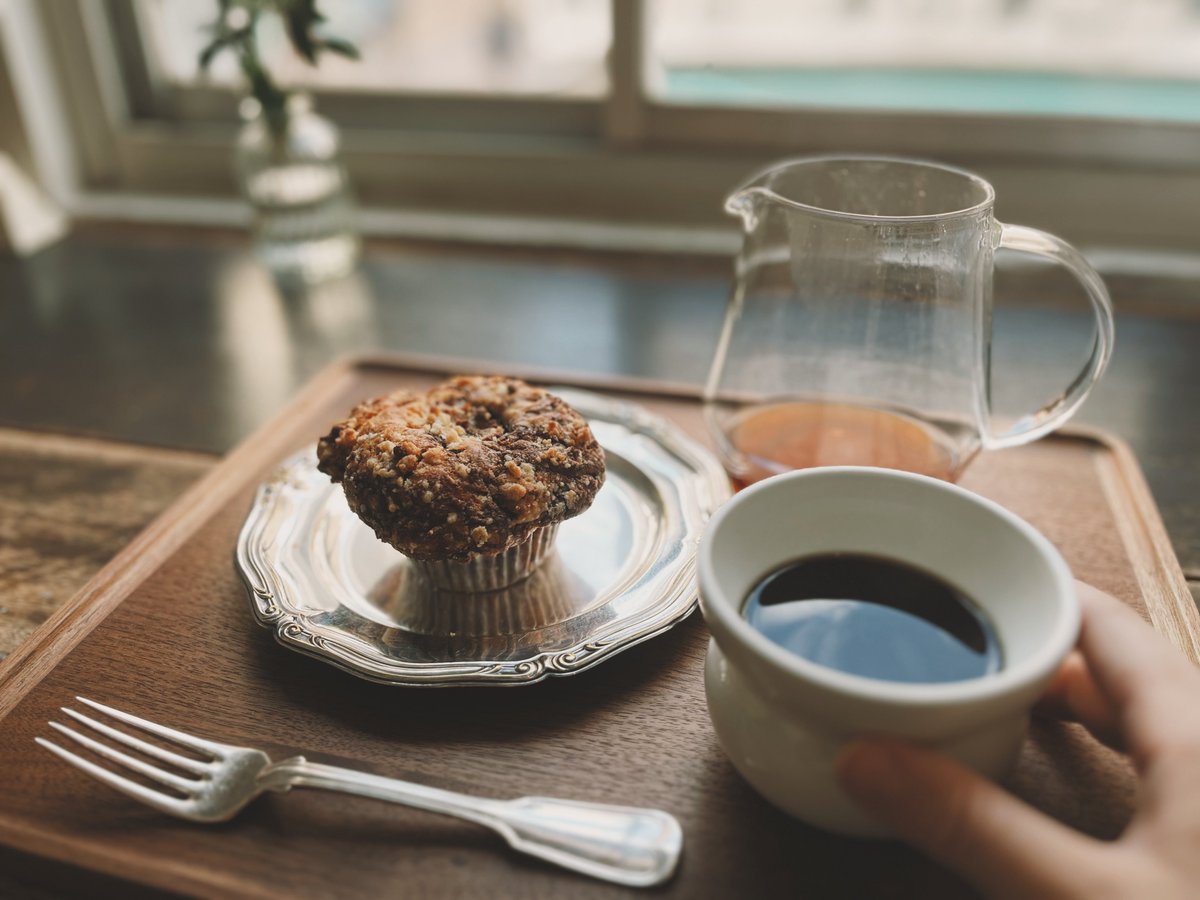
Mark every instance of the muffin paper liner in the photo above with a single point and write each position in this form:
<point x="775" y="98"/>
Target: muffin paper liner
<point x="491" y="573"/>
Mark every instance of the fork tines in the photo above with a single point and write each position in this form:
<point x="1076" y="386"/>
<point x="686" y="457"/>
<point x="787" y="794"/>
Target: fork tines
<point x="165" y="802"/>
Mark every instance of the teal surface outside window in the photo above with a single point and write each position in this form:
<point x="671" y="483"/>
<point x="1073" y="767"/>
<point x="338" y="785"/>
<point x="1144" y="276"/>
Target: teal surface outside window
<point x="1027" y="93"/>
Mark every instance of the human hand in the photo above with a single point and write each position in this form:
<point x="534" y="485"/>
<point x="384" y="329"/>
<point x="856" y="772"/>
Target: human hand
<point x="1130" y="689"/>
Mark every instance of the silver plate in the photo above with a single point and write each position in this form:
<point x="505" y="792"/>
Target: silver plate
<point x="621" y="572"/>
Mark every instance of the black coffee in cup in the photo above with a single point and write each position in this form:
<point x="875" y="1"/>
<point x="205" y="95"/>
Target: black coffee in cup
<point x="875" y="617"/>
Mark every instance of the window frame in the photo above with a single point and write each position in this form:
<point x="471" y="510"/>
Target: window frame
<point x="626" y="158"/>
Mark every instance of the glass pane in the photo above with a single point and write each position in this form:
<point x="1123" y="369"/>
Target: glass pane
<point x="527" y="47"/>
<point x="1107" y="58"/>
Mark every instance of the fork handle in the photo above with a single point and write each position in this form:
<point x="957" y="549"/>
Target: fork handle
<point x="623" y="844"/>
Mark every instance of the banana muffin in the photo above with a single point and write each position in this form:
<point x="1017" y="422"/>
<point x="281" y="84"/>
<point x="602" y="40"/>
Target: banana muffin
<point x="478" y="470"/>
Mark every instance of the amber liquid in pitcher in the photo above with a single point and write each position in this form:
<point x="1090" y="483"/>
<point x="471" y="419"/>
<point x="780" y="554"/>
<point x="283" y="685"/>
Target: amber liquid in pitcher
<point x="784" y="436"/>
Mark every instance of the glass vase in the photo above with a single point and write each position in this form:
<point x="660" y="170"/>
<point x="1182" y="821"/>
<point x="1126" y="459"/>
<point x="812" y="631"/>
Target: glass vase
<point x="290" y="170"/>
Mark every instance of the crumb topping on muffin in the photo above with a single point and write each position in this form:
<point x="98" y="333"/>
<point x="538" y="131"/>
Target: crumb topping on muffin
<point x="469" y="468"/>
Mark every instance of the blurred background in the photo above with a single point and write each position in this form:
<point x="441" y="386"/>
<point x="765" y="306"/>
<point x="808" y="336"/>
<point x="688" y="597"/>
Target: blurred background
<point x="625" y="122"/>
<point x="1054" y="57"/>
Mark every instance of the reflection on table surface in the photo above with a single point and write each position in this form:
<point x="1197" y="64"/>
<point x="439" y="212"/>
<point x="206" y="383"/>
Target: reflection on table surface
<point x="178" y="338"/>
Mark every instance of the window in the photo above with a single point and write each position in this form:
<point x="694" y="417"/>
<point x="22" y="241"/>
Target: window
<point x="1073" y="58"/>
<point x="521" y="47"/>
<point x="641" y="114"/>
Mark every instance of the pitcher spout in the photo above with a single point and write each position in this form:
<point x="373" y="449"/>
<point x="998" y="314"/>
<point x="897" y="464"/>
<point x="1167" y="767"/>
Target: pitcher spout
<point x="746" y="203"/>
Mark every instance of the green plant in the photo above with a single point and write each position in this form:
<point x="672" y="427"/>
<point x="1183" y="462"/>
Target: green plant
<point x="235" y="30"/>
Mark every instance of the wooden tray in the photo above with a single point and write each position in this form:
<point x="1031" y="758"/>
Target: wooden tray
<point x="165" y="631"/>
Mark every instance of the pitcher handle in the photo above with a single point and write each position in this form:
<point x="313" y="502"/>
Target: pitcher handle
<point x="1058" y="410"/>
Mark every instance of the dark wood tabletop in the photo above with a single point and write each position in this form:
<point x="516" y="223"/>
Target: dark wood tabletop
<point x="176" y="337"/>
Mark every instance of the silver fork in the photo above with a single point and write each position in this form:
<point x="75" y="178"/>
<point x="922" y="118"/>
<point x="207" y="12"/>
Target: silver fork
<point x="623" y="844"/>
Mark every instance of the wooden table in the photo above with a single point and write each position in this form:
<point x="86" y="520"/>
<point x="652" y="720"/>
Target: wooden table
<point x="179" y="341"/>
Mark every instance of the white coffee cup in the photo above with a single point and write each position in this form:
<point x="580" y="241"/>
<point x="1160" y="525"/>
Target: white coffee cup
<point x="783" y="719"/>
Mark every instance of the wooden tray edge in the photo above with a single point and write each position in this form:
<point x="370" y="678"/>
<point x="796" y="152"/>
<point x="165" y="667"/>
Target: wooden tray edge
<point x="105" y="448"/>
<point x="451" y="365"/>
<point x="1169" y="602"/>
<point x="172" y="876"/>
<point x="22" y="669"/>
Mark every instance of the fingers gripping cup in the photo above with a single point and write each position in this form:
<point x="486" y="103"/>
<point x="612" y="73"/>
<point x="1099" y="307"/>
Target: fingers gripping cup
<point x="785" y="700"/>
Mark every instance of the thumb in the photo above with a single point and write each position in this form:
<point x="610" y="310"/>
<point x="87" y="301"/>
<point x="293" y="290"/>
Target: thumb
<point x="966" y="822"/>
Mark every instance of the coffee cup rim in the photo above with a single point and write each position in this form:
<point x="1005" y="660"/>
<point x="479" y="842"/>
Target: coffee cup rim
<point x="726" y="622"/>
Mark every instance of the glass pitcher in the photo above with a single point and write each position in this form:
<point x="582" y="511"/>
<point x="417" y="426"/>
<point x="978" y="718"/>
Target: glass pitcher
<point x="859" y="328"/>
